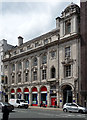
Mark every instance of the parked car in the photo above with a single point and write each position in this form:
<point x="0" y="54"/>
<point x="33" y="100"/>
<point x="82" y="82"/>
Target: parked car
<point x="73" y="107"/>
<point x="20" y="103"/>
<point x="9" y="106"/>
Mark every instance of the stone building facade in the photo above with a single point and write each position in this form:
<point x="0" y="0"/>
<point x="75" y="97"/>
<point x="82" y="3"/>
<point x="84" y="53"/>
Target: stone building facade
<point x="47" y="67"/>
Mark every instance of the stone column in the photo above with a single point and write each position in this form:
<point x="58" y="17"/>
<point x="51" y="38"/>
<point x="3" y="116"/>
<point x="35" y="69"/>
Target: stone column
<point x="61" y="100"/>
<point x="16" y="78"/>
<point x="30" y="71"/>
<point x="57" y="98"/>
<point x="39" y="100"/>
<point x="30" y="98"/>
<point x="38" y="70"/>
<point x="22" y="73"/>
<point x="48" y="98"/>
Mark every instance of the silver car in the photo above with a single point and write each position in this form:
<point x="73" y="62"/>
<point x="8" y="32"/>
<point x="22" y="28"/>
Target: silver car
<point x="73" y="107"/>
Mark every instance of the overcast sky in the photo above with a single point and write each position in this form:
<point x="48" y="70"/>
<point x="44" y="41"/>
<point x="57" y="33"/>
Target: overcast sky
<point x="29" y="19"/>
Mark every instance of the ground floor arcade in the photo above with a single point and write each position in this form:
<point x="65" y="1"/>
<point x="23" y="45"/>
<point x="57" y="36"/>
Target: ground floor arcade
<point x="50" y="97"/>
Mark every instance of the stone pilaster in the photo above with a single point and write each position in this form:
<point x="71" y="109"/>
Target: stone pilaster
<point x="48" y="98"/>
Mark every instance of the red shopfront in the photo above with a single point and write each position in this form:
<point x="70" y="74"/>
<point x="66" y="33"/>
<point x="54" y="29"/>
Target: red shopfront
<point x="44" y="95"/>
<point x="12" y="93"/>
<point x="19" y="93"/>
<point x="34" y="97"/>
<point x="26" y="95"/>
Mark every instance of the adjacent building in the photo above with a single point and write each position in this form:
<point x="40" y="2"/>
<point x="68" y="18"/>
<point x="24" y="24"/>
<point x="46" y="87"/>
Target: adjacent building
<point x="3" y="48"/>
<point x="47" y="67"/>
<point x="83" y="29"/>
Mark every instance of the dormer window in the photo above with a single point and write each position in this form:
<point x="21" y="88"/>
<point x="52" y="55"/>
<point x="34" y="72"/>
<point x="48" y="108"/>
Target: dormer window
<point x="46" y="41"/>
<point x="21" y="50"/>
<point x="67" y="27"/>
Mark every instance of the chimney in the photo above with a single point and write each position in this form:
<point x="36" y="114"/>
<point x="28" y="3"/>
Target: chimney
<point x="58" y="22"/>
<point x="20" y="40"/>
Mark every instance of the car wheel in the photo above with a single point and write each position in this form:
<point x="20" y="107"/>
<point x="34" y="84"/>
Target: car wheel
<point x="80" y="111"/>
<point x="65" y="110"/>
<point x="26" y="107"/>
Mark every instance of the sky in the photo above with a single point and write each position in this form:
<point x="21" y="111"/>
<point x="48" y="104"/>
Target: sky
<point x="29" y="19"/>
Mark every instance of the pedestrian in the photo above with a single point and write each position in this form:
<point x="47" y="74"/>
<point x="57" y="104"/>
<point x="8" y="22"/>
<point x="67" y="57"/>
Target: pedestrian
<point x="55" y="103"/>
<point x="5" y="113"/>
<point x="41" y="104"/>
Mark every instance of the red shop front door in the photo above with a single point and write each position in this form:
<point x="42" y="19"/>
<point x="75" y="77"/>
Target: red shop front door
<point x="53" y="101"/>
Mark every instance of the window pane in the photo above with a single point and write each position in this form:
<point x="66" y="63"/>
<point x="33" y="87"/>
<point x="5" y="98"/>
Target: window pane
<point x="67" y="27"/>
<point x="68" y="71"/>
<point x="44" y="59"/>
<point x="53" y="72"/>
<point x="35" y="62"/>
<point x="43" y="74"/>
<point x="67" y="52"/>
<point x="27" y="64"/>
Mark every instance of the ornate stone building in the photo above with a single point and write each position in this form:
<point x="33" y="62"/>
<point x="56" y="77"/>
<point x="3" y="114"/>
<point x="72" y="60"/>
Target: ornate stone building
<point x="47" y="67"/>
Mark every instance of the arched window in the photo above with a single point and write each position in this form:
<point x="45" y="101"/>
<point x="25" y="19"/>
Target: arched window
<point x="53" y="72"/>
<point x="67" y="27"/>
<point x="35" y="61"/>
<point x="6" y="80"/>
<point x="19" y="66"/>
<point x="13" y="67"/>
<point x="26" y="64"/>
<point x="44" y="59"/>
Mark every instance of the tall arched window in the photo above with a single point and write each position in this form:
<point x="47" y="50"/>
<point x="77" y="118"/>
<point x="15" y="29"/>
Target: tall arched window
<point x="44" y="59"/>
<point x="19" y="66"/>
<point x="26" y="64"/>
<point x="67" y="27"/>
<point x="35" y="61"/>
<point x="13" y="67"/>
<point x="6" y="80"/>
<point x="53" y="72"/>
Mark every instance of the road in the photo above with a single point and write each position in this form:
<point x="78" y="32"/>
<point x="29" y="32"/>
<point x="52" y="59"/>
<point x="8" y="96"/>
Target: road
<point x="44" y="113"/>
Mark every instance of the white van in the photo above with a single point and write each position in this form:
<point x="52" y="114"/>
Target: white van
<point x="18" y="103"/>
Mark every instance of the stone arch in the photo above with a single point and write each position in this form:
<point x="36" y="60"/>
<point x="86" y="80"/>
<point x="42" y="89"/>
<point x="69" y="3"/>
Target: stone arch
<point x="67" y="93"/>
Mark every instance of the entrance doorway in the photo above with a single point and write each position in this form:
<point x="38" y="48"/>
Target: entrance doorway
<point x="67" y="94"/>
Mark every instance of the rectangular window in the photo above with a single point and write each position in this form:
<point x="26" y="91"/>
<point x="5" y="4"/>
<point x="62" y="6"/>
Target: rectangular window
<point x="44" y="59"/>
<point x="19" y="78"/>
<point x="28" y="47"/>
<point x="53" y="54"/>
<point x="43" y="74"/>
<point x="67" y="52"/>
<point x="35" y="75"/>
<point x="67" y="70"/>
<point x="67" y="27"/>
<point x="21" y="50"/>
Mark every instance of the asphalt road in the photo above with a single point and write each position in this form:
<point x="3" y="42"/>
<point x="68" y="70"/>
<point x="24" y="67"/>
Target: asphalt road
<point x="44" y="113"/>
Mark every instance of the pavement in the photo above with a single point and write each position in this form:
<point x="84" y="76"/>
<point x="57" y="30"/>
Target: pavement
<point x="47" y="108"/>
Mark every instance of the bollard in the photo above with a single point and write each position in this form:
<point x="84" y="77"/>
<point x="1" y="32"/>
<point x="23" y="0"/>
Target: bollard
<point x="5" y="113"/>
